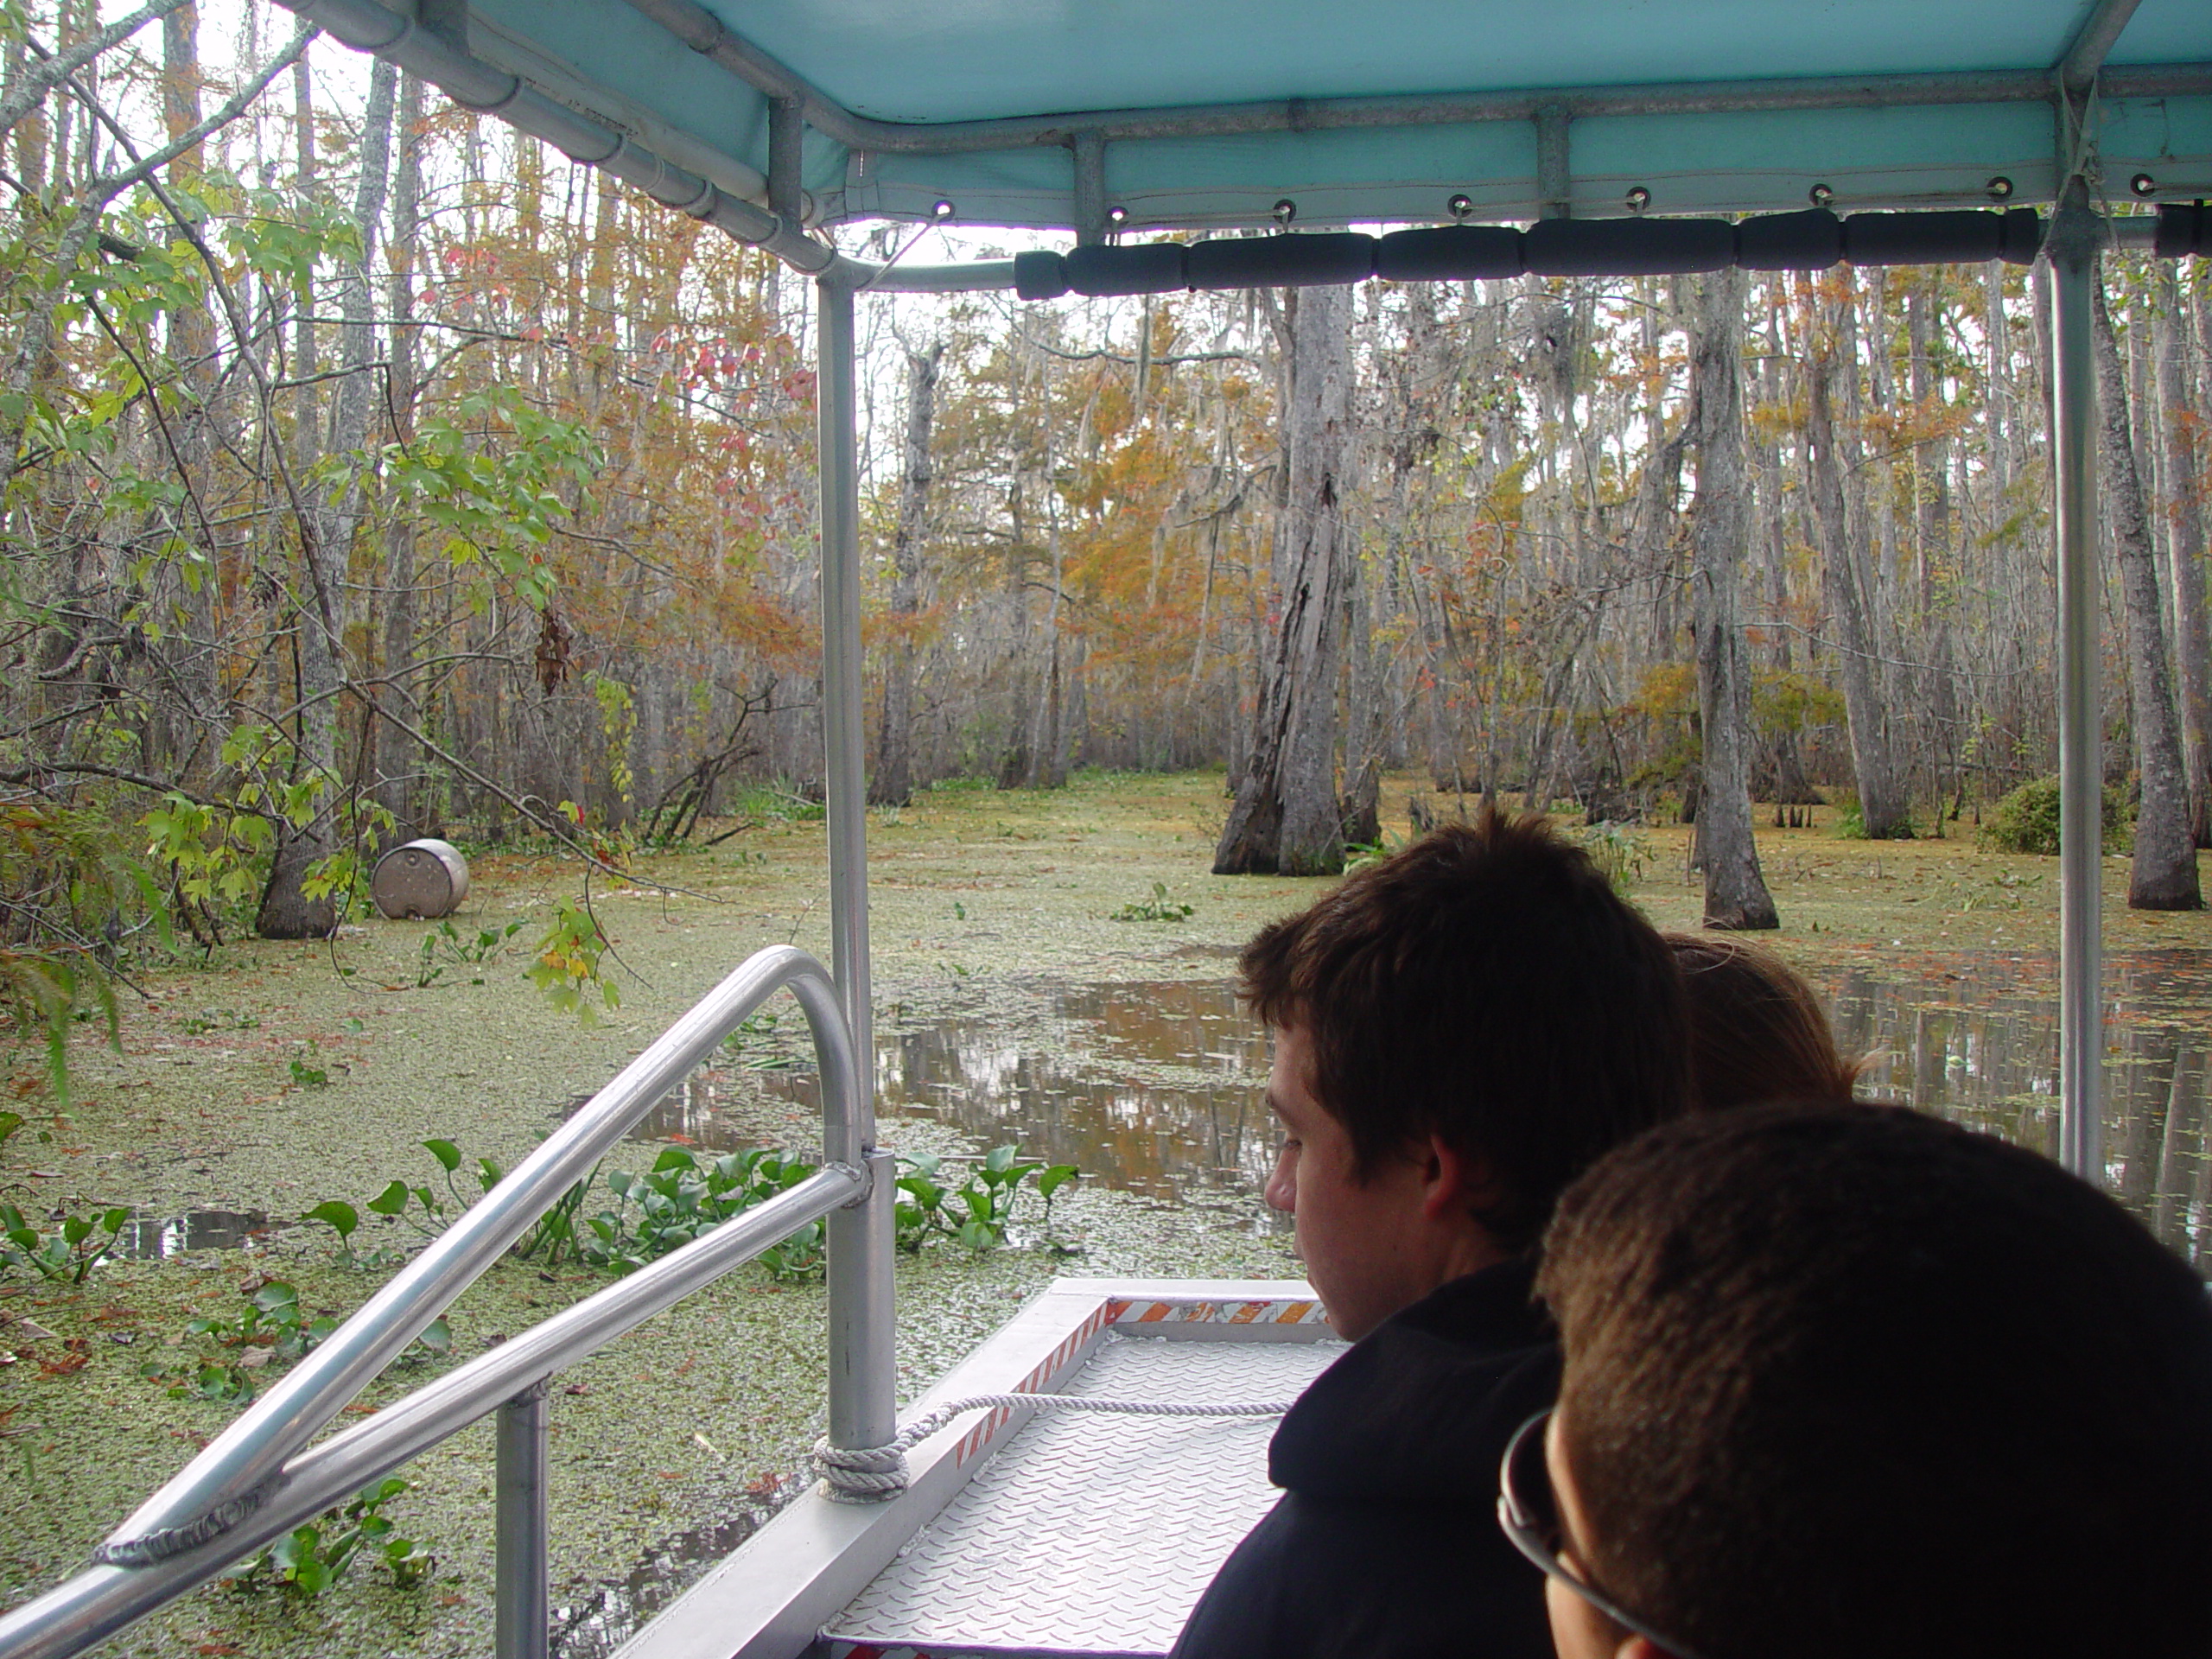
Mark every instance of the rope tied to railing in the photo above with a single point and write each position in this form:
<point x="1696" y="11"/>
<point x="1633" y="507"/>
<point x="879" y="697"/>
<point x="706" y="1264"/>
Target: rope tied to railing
<point x="870" y="1474"/>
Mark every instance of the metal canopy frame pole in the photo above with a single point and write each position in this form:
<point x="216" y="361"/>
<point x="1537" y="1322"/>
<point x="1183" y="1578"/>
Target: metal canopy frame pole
<point x="2072" y="247"/>
<point x="863" y="1403"/>
<point x="838" y="466"/>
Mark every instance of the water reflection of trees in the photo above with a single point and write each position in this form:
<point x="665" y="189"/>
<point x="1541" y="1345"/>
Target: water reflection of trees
<point x="1980" y="1045"/>
<point x="1155" y="1089"/>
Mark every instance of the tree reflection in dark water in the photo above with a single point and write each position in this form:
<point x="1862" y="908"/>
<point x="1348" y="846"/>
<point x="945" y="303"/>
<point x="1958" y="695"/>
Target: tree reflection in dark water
<point x="1154" y="1088"/>
<point x="1979" y="1043"/>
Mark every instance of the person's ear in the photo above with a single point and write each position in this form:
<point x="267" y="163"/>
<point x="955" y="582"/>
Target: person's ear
<point x="1454" y="1183"/>
<point x="1640" y="1647"/>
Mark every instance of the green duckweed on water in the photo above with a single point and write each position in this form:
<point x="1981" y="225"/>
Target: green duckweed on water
<point x="701" y="1416"/>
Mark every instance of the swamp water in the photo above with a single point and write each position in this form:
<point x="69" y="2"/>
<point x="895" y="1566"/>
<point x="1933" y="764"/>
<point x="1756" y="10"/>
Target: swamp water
<point x="1154" y="1088"/>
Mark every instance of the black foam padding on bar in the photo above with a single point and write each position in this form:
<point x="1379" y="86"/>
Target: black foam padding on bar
<point x="2022" y="236"/>
<point x="1281" y="261"/>
<point x="2183" y="227"/>
<point x="1627" y="247"/>
<point x="1960" y="239"/>
<point x="1450" y="253"/>
<point x="1811" y="240"/>
<point x="1041" y="275"/>
<point x="1104" y="272"/>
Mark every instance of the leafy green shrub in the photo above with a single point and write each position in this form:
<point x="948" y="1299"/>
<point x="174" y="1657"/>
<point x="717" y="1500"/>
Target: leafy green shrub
<point x="68" y="886"/>
<point x="2027" y="820"/>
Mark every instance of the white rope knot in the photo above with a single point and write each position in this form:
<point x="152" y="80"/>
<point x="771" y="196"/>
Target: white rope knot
<point x="866" y="1474"/>
<point x="871" y="1474"/>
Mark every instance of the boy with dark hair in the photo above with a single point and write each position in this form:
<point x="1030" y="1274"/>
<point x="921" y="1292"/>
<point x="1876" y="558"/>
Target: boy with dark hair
<point x="1458" y="1031"/>
<point x="1846" y="1381"/>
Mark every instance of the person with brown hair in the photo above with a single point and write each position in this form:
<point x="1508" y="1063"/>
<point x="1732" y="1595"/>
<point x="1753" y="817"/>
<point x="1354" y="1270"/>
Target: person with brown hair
<point x="1757" y="1032"/>
<point x="1460" y="1030"/>
<point x="1847" y="1380"/>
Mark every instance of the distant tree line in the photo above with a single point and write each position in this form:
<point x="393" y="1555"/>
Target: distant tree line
<point x="370" y="474"/>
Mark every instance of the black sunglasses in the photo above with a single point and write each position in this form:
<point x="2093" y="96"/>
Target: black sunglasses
<point x="1527" y="1510"/>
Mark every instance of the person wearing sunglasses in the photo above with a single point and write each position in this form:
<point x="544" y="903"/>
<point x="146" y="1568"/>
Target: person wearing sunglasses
<point x="1842" y="1381"/>
<point x="1460" y="1030"/>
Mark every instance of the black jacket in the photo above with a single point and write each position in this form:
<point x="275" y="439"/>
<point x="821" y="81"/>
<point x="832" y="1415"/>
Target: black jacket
<point x="1386" y="1540"/>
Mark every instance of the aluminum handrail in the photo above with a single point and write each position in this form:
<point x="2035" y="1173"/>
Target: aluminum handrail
<point x="246" y="1487"/>
<point x="104" y="1599"/>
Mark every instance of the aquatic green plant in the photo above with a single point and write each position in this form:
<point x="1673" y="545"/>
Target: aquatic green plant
<point x="71" y="1251"/>
<point x="1158" y="908"/>
<point x="420" y="1208"/>
<point x="444" y="947"/>
<point x="752" y="1045"/>
<point x="270" y="1329"/>
<point x="684" y="1197"/>
<point x="980" y="1210"/>
<point x="310" y="1559"/>
<point x="1618" y="851"/>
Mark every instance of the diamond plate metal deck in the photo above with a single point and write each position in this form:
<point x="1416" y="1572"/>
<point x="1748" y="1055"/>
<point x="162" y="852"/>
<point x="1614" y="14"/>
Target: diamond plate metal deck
<point x="1090" y="1534"/>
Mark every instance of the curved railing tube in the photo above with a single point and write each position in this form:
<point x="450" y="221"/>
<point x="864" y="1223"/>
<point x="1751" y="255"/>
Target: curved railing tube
<point x="228" y="1480"/>
<point x="105" y="1600"/>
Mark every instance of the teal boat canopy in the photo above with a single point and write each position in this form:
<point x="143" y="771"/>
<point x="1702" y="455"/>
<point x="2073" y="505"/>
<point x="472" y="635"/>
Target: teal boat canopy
<point x="1127" y="115"/>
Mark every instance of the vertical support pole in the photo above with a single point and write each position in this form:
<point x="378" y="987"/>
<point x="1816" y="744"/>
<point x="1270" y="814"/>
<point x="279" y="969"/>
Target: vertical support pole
<point x="2072" y="244"/>
<point x="863" y="1399"/>
<point x="1555" y="181"/>
<point x="786" y="142"/>
<point x="863" y="1378"/>
<point x="838" y="465"/>
<point x="1090" y="189"/>
<point x="523" y="1615"/>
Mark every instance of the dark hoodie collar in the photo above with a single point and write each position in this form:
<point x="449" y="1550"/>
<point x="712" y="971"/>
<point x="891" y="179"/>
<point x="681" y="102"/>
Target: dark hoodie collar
<point x="1421" y="1407"/>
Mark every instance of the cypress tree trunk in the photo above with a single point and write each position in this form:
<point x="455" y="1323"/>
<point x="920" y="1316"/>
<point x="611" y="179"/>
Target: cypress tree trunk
<point x="1287" y="818"/>
<point x="307" y="415"/>
<point x="1881" y="804"/>
<point x="1735" y="892"/>
<point x="397" y="753"/>
<point x="893" y="783"/>
<point x="2163" y="875"/>
<point x="2185" y="546"/>
<point x="326" y="539"/>
<point x="192" y="345"/>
